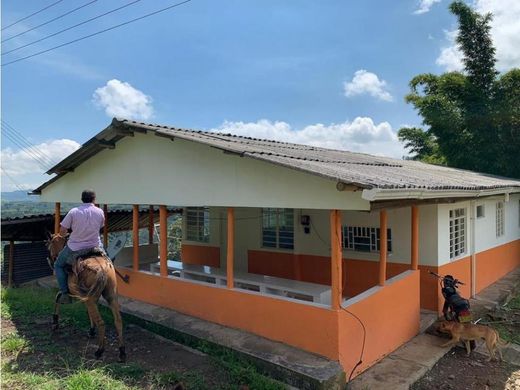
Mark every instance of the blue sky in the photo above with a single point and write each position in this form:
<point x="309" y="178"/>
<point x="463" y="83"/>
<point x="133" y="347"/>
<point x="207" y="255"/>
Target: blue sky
<point x="330" y="73"/>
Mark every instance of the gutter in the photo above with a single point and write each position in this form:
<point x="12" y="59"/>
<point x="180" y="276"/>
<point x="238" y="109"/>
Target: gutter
<point x="379" y="194"/>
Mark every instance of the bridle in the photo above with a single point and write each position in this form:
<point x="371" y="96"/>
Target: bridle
<point x="53" y="254"/>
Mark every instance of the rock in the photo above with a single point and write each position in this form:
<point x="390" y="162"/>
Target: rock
<point x="451" y="376"/>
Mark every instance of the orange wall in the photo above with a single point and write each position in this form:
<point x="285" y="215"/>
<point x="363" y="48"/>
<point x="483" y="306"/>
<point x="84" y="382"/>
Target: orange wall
<point x="496" y="262"/>
<point x="203" y="255"/>
<point x="311" y="328"/>
<point x="390" y="316"/>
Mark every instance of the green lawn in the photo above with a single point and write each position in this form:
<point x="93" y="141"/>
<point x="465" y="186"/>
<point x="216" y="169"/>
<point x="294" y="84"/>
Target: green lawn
<point x="33" y="358"/>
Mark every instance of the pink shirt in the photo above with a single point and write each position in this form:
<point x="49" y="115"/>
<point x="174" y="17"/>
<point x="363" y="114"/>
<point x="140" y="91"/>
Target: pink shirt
<point x="85" y="222"/>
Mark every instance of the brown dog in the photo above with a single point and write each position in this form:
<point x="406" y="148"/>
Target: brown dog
<point x="466" y="332"/>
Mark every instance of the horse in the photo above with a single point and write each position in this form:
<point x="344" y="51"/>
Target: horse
<point x="91" y="277"/>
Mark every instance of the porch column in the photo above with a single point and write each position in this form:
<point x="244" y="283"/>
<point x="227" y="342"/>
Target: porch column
<point x="383" y="247"/>
<point x="163" y="239"/>
<point x="10" y="264"/>
<point x="135" y="236"/>
<point x="335" y="259"/>
<point x="415" y="238"/>
<point x="230" y="259"/>
<point x="105" y="226"/>
<point x="57" y="216"/>
<point x="150" y="225"/>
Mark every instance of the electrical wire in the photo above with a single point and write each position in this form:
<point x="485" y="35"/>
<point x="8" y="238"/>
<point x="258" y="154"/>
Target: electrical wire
<point x="32" y="152"/>
<point x="34" y="13"/>
<point x="71" y="27"/>
<point x="98" y="32"/>
<point x="29" y="153"/>
<point x="50" y="21"/>
<point x="40" y="154"/>
<point x="13" y="180"/>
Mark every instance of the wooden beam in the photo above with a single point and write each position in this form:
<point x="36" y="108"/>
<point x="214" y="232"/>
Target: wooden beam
<point x="383" y="246"/>
<point x="163" y="250"/>
<point x="124" y="131"/>
<point x="105" y="226"/>
<point x="10" y="264"/>
<point x="230" y="259"/>
<point x="106" y="144"/>
<point x="415" y="238"/>
<point x="57" y="217"/>
<point x="335" y="259"/>
<point x="135" y="237"/>
<point x="150" y="224"/>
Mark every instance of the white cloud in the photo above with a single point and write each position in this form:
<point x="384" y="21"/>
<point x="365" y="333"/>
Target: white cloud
<point x="425" y="5"/>
<point x="365" y="82"/>
<point x="360" y="135"/>
<point x="120" y="99"/>
<point x="505" y="32"/>
<point x="26" y="167"/>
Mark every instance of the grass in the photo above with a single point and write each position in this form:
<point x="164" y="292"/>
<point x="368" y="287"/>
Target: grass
<point x="510" y="332"/>
<point x="32" y="360"/>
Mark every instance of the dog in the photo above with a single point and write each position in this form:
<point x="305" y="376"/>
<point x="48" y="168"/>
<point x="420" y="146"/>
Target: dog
<point x="466" y="332"/>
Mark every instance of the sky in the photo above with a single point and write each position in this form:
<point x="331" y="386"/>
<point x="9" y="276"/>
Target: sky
<point x="330" y="73"/>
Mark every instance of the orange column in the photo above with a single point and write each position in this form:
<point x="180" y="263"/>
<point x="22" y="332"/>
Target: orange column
<point x="415" y="238"/>
<point x="105" y="227"/>
<point x="383" y="247"/>
<point x="57" y="216"/>
<point x="335" y="259"/>
<point x="135" y="236"/>
<point x="150" y="225"/>
<point x="230" y="260"/>
<point x="163" y="249"/>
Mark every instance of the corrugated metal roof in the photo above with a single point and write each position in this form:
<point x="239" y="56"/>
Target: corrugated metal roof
<point x="363" y="170"/>
<point x="35" y="227"/>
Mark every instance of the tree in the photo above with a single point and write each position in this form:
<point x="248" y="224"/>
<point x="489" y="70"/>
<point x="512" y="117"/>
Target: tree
<point x="472" y="119"/>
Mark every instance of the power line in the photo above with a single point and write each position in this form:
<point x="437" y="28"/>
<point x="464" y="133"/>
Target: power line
<point x="13" y="180"/>
<point x="34" y="13"/>
<point x="23" y="143"/>
<point x="43" y="164"/>
<point x="71" y="27"/>
<point x="50" y="21"/>
<point x="97" y="33"/>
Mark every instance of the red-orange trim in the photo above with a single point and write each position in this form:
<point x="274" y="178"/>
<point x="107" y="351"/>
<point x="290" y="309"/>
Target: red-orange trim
<point x="335" y="263"/>
<point x="202" y="255"/>
<point x="415" y="238"/>
<point x="494" y="263"/>
<point x="383" y="243"/>
<point x="163" y="250"/>
<point x="150" y="224"/>
<point x="230" y="258"/>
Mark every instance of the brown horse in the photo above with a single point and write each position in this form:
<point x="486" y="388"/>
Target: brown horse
<point x="91" y="278"/>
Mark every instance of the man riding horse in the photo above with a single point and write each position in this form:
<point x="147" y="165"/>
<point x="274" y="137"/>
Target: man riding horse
<point x="85" y="222"/>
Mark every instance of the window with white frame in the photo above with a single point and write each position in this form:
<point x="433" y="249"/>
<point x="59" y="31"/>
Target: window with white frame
<point x="365" y="239"/>
<point x="500" y="223"/>
<point x="197" y="224"/>
<point x="457" y="232"/>
<point x="278" y="228"/>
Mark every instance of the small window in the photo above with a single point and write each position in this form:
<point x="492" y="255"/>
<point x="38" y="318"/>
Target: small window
<point x="457" y="232"/>
<point x="197" y="220"/>
<point x="278" y="228"/>
<point x="365" y="239"/>
<point x="500" y="223"/>
<point x="481" y="211"/>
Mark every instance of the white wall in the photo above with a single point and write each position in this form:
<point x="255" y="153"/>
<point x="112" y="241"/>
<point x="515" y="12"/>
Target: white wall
<point x="146" y="169"/>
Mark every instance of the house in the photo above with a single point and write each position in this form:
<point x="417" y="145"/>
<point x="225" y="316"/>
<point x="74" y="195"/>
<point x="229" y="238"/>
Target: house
<point x="316" y="248"/>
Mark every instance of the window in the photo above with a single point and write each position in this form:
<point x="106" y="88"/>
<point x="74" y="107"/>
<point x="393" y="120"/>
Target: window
<point x="197" y="220"/>
<point x="500" y="219"/>
<point x="457" y="232"/>
<point x="278" y="228"/>
<point x="365" y="239"/>
<point x="481" y="211"/>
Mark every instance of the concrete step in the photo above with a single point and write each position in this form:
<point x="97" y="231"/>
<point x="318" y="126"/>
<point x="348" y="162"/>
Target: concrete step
<point x="428" y="318"/>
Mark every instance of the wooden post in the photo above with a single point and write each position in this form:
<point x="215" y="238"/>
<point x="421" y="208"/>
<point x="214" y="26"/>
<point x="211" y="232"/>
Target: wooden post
<point x="335" y="259"/>
<point x="150" y="224"/>
<point x="230" y="260"/>
<point x="163" y="250"/>
<point x="105" y="226"/>
<point x="135" y="237"/>
<point x="57" y="216"/>
<point x="383" y="247"/>
<point x="415" y="238"/>
<point x="10" y="264"/>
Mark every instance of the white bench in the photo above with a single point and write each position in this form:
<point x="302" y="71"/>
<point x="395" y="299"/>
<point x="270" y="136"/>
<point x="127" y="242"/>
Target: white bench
<point x="295" y="289"/>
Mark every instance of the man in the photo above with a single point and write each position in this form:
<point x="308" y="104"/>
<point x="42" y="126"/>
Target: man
<point x="85" y="222"/>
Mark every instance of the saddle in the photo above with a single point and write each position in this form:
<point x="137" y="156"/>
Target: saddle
<point x="78" y="266"/>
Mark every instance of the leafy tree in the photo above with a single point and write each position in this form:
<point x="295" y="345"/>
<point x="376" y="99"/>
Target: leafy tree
<point x="472" y="119"/>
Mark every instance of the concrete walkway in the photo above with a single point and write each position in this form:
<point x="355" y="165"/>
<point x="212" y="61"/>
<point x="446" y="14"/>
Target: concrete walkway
<point x="403" y="367"/>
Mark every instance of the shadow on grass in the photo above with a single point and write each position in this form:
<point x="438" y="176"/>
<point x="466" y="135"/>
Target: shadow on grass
<point x="36" y="357"/>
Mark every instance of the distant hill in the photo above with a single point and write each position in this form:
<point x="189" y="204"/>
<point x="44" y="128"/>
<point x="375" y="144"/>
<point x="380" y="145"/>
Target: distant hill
<point x="19" y="196"/>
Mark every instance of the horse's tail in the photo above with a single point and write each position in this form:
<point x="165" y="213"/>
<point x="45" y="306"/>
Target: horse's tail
<point x="95" y="286"/>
